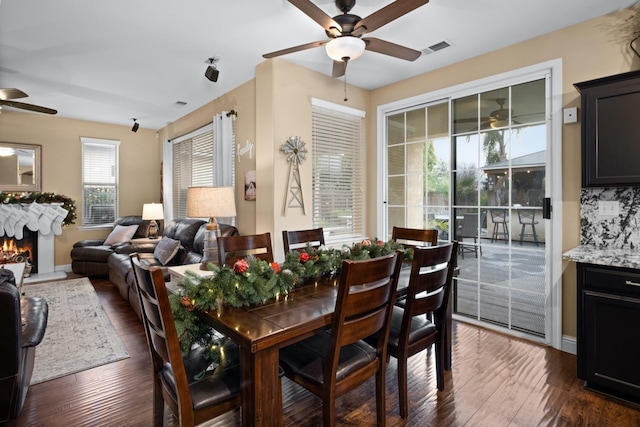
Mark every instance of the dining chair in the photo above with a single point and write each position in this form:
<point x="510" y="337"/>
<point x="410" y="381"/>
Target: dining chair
<point x="500" y="220"/>
<point x="413" y="237"/>
<point x="233" y="248"/>
<point x="295" y="240"/>
<point x="192" y="398"/>
<point x="334" y="362"/>
<point x="411" y="332"/>
<point x="527" y="217"/>
<point x="468" y="229"/>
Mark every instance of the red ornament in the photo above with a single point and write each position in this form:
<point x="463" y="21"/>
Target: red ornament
<point x="276" y="267"/>
<point x="366" y="242"/>
<point x="240" y="266"/>
<point x="304" y="257"/>
<point x="380" y="243"/>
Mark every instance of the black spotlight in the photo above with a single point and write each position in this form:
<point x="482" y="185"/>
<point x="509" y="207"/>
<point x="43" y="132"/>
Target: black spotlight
<point x="136" y="125"/>
<point x="212" y="72"/>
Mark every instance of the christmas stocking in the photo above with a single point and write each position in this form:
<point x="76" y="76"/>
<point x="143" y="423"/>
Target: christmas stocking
<point x="4" y="215"/>
<point x="35" y="210"/>
<point x="23" y="218"/>
<point x="10" y="223"/>
<point x="56" y="225"/>
<point x="46" y="219"/>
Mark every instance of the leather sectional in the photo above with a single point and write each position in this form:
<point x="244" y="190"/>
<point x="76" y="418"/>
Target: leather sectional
<point x="188" y="231"/>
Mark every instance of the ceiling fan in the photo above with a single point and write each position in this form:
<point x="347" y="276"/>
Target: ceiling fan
<point x="8" y="95"/>
<point x="497" y="118"/>
<point x="345" y="32"/>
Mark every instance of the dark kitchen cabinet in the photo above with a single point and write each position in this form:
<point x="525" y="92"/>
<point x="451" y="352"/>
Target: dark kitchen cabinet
<point x="610" y="125"/>
<point x="608" y="341"/>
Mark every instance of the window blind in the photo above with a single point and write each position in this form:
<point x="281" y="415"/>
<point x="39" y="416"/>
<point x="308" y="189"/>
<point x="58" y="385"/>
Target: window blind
<point x="337" y="173"/>
<point x="192" y="166"/>
<point x="99" y="181"/>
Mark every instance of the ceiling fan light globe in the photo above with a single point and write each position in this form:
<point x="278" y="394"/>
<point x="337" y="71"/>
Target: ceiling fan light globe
<point x="345" y="47"/>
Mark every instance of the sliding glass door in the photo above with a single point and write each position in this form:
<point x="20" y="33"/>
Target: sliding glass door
<point x="474" y="167"/>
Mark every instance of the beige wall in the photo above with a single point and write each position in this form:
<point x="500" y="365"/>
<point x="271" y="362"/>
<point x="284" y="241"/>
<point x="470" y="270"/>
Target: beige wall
<point x="62" y="164"/>
<point x="589" y="50"/>
<point x="242" y="101"/>
<point x="283" y="98"/>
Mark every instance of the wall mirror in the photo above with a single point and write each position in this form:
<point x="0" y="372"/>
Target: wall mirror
<point x="20" y="167"/>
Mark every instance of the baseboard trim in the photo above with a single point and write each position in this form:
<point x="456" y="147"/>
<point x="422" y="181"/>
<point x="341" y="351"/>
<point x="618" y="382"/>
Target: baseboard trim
<point x="569" y="344"/>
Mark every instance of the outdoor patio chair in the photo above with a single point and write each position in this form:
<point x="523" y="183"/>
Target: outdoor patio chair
<point x="527" y="217"/>
<point x="500" y="220"/>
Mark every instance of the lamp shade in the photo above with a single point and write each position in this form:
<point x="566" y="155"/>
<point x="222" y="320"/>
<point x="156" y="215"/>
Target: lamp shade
<point x="345" y="47"/>
<point x="211" y="202"/>
<point x="152" y="211"/>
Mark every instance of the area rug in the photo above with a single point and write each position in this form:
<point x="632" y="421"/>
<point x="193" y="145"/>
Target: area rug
<point x="79" y="334"/>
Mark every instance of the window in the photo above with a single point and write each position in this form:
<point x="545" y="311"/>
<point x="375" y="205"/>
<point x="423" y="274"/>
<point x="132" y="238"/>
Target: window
<point x="192" y="166"/>
<point x="99" y="181"/>
<point x="337" y="170"/>
<point x="204" y="157"/>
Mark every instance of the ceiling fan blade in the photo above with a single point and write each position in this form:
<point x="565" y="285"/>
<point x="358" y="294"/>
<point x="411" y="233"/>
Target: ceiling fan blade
<point x="295" y="49"/>
<point x="391" y="49"/>
<point x="317" y="14"/>
<point x="339" y="68"/>
<point x="30" y="107"/>
<point x="385" y="15"/>
<point x="12" y="93"/>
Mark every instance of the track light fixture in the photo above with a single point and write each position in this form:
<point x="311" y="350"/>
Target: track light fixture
<point x="136" y="125"/>
<point x="212" y="71"/>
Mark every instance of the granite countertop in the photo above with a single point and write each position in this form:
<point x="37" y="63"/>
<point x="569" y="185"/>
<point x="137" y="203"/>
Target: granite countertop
<point x="625" y="258"/>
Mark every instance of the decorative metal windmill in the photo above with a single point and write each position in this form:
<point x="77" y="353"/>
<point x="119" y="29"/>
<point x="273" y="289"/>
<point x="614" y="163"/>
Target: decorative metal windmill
<point x="296" y="153"/>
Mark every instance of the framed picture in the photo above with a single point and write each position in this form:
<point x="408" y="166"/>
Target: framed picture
<point x="250" y="185"/>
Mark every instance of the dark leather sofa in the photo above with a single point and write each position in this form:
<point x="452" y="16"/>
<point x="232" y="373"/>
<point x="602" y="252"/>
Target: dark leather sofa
<point x="89" y="257"/>
<point x="189" y="231"/>
<point x="23" y="322"/>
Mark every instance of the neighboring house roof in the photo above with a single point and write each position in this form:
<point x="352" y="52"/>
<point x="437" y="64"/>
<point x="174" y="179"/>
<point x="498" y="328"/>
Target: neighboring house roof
<point x="527" y="161"/>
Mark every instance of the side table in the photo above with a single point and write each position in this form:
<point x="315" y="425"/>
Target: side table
<point x="177" y="273"/>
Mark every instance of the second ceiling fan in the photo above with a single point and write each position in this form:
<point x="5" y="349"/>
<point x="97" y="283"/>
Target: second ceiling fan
<point x="345" y="32"/>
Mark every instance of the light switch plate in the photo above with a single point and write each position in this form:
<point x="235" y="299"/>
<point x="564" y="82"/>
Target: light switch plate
<point x="608" y="208"/>
<point x="570" y="115"/>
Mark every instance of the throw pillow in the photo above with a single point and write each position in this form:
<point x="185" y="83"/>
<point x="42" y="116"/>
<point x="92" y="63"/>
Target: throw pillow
<point x="166" y="249"/>
<point x="121" y="234"/>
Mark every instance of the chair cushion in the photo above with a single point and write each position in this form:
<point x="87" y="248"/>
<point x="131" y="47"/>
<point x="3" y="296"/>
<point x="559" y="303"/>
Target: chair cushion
<point x="166" y="249"/>
<point x="121" y="234"/>
<point x="217" y="385"/>
<point x="307" y="358"/>
<point x="421" y="327"/>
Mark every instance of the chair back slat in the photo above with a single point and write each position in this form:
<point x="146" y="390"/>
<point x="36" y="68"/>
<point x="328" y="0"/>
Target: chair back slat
<point x="234" y="248"/>
<point x="415" y="237"/>
<point x="296" y="240"/>
<point x="363" y="307"/>
<point x="431" y="274"/>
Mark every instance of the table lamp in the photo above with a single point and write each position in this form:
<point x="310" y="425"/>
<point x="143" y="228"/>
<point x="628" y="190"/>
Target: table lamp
<point x="211" y="202"/>
<point x="152" y="212"/>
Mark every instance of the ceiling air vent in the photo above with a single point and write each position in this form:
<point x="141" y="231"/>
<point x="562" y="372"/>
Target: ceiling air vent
<point x="436" y="47"/>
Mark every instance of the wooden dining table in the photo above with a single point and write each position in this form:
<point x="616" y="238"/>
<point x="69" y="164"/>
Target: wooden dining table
<point x="261" y="330"/>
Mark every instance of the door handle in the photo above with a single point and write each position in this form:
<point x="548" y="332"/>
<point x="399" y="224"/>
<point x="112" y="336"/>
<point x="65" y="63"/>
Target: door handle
<point x="546" y="208"/>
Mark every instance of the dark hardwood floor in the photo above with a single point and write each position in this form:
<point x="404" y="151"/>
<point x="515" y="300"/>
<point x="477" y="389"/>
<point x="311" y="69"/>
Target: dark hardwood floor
<point x="496" y="380"/>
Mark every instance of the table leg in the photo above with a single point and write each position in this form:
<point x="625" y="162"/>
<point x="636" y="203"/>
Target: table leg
<point x="261" y="389"/>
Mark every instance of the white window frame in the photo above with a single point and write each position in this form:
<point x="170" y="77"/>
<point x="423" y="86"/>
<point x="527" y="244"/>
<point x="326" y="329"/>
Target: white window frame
<point x="222" y="129"/>
<point x="357" y="221"/>
<point x="88" y="168"/>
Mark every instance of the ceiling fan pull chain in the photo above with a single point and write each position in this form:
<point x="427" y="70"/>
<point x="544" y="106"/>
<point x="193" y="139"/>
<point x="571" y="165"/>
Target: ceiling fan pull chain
<point x="346" y="62"/>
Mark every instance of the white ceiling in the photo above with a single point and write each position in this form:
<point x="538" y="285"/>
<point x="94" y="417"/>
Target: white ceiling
<point x="112" y="60"/>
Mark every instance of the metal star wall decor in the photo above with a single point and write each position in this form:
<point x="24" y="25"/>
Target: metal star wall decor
<point x="296" y="153"/>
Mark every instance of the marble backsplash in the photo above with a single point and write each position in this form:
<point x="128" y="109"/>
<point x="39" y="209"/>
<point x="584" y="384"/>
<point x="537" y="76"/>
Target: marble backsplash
<point x="604" y="229"/>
